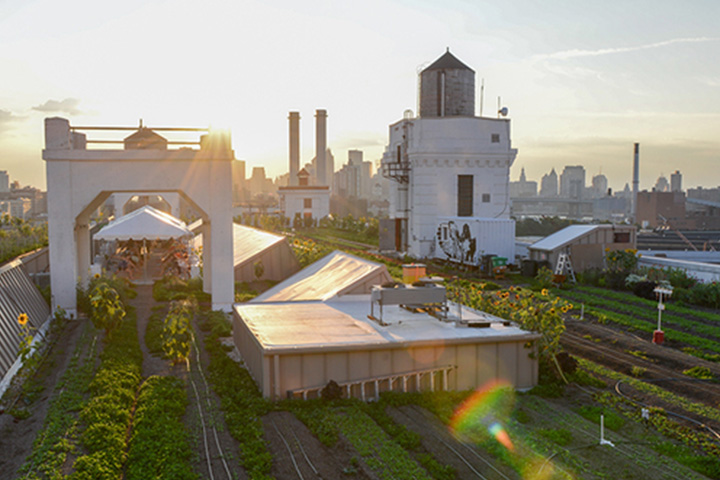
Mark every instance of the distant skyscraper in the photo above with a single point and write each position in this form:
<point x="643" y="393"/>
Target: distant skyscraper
<point x="4" y="181"/>
<point x="523" y="187"/>
<point x="549" y="184"/>
<point x="662" y="185"/>
<point x="676" y="181"/>
<point x="572" y="182"/>
<point x="599" y="185"/>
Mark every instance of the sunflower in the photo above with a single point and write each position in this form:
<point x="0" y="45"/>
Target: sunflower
<point x="23" y="319"/>
<point x="544" y="292"/>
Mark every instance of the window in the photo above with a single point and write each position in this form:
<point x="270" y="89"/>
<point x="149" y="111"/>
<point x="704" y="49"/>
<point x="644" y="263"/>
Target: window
<point x="621" y="237"/>
<point x="495" y="138"/>
<point x="465" y="196"/>
<point x="486" y="198"/>
<point x="307" y="202"/>
<point x="399" y="153"/>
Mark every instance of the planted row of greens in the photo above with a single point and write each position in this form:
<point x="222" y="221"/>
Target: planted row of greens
<point x="634" y="299"/>
<point x="386" y="458"/>
<point x="58" y="435"/>
<point x="700" y="452"/>
<point x="159" y="445"/>
<point x="108" y="414"/>
<point x="641" y="313"/>
<point x="241" y="401"/>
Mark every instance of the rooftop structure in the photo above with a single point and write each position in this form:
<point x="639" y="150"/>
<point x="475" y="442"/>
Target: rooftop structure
<point x="296" y="338"/>
<point x="253" y="246"/>
<point x="80" y="179"/>
<point x="447" y="162"/>
<point x="586" y="244"/>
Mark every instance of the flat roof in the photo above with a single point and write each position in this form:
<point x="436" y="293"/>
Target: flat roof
<point x="343" y="324"/>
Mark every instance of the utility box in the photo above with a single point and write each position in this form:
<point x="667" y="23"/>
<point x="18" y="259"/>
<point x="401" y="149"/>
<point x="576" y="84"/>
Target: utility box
<point x="466" y="240"/>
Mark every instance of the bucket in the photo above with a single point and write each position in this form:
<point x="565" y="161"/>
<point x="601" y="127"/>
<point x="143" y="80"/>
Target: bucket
<point x="658" y="337"/>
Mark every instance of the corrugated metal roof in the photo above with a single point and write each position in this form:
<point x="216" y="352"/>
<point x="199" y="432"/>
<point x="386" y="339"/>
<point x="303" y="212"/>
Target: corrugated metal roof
<point x="563" y="237"/>
<point x="17" y="295"/>
<point x="330" y="276"/>
<point x="248" y="242"/>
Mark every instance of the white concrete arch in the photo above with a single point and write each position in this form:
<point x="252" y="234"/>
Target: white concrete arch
<point x="80" y="179"/>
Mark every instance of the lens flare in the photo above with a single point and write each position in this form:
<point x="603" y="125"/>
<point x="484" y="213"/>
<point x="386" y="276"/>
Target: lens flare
<point x="483" y="414"/>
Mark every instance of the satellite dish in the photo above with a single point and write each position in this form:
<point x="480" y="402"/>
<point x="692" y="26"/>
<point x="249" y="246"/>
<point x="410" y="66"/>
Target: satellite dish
<point x="503" y="111"/>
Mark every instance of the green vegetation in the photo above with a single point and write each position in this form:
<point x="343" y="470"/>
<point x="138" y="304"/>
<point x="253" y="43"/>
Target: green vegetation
<point x="159" y="445"/>
<point x="176" y="333"/>
<point x="174" y="288"/>
<point x="58" y="435"/>
<point x="18" y="236"/>
<point x="107" y="415"/>
<point x="242" y="402"/>
<point x="107" y="311"/>
<point x="702" y="373"/>
<point x="385" y="457"/>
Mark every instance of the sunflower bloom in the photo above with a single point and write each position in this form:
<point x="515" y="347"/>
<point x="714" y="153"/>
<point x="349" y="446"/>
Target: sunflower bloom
<point x="22" y="319"/>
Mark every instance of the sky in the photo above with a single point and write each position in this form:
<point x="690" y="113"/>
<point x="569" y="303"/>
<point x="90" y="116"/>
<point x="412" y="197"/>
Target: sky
<point x="582" y="80"/>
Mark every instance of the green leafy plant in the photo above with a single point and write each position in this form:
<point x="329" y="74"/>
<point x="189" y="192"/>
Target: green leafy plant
<point x="702" y="373"/>
<point x="176" y="334"/>
<point x="107" y="310"/>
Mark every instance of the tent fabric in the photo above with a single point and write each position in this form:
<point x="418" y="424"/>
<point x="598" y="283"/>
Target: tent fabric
<point x="332" y="276"/>
<point x="144" y="223"/>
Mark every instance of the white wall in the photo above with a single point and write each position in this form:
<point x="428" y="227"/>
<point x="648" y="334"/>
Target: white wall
<point x="440" y="149"/>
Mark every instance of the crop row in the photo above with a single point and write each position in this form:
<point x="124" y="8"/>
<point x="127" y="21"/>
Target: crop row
<point x="159" y="445"/>
<point x="634" y="299"/>
<point x="687" y="454"/>
<point x="643" y="312"/>
<point x="108" y="414"/>
<point x="384" y="456"/>
<point x="57" y="437"/>
<point x="241" y="401"/>
<point x="644" y="326"/>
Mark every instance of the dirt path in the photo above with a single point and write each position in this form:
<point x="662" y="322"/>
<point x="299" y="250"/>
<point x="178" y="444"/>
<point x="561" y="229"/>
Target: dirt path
<point x="216" y="449"/>
<point x="17" y="436"/>
<point x="143" y="304"/>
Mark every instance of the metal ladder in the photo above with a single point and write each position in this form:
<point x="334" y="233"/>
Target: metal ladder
<point x="565" y="265"/>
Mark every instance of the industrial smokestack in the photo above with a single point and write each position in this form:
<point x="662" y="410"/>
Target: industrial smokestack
<point x="636" y="181"/>
<point x="294" y="147"/>
<point x="321" y="146"/>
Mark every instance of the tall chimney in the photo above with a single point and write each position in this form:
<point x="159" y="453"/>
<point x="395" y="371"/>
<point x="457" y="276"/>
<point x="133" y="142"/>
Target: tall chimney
<point x="636" y="181"/>
<point x="321" y="146"/>
<point x="294" y="147"/>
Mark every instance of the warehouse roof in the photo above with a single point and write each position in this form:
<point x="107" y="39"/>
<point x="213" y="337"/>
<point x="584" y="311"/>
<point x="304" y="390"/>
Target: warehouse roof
<point x="343" y="322"/>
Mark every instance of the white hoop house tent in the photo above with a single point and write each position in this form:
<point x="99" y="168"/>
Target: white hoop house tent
<point x="145" y="223"/>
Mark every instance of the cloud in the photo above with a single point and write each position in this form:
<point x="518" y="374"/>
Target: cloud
<point x="7" y="118"/>
<point x="710" y="81"/>
<point x="69" y="106"/>
<point x="576" y="53"/>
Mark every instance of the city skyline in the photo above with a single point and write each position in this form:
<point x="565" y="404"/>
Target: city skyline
<point x="582" y="84"/>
